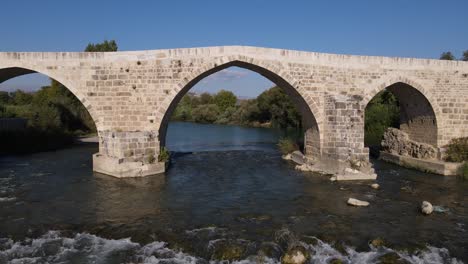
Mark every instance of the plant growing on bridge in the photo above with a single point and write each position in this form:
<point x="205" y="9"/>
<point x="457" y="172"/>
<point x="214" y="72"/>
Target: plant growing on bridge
<point x="164" y="155"/>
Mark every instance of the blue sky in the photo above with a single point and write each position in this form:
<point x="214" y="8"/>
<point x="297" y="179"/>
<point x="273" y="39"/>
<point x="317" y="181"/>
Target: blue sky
<point x="417" y="28"/>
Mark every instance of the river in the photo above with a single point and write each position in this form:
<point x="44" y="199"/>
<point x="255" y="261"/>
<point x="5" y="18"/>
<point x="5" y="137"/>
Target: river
<point x="227" y="195"/>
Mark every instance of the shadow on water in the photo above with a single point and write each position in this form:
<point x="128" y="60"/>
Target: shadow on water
<point x="250" y="203"/>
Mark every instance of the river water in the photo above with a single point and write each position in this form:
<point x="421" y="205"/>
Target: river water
<point x="227" y="195"/>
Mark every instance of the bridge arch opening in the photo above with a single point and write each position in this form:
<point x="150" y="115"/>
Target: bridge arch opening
<point x="402" y="106"/>
<point x="309" y="124"/>
<point x="35" y="105"/>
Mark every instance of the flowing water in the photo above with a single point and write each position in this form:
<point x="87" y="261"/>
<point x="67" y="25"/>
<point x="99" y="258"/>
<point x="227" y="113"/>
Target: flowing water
<point x="227" y="195"/>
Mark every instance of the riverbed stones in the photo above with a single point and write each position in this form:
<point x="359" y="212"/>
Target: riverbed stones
<point x="426" y="208"/>
<point x="295" y="255"/>
<point x="375" y="186"/>
<point x="356" y="202"/>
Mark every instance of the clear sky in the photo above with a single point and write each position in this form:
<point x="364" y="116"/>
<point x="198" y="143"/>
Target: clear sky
<point x="416" y="28"/>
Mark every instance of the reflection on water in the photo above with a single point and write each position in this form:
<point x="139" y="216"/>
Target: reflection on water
<point x="211" y="202"/>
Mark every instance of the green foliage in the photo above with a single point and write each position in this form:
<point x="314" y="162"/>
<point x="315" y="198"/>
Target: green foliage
<point x="465" y="56"/>
<point x="383" y="111"/>
<point x="287" y="145"/>
<point x="276" y="106"/>
<point x="457" y="150"/>
<point x="164" y="155"/>
<point x="464" y="170"/>
<point x="102" y="47"/>
<point x="447" y="56"/>
<point x="224" y="100"/>
<point x="205" y="113"/>
<point x="272" y="107"/>
<point x="205" y="98"/>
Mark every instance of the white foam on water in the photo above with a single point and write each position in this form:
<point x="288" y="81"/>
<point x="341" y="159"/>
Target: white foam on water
<point x="87" y="248"/>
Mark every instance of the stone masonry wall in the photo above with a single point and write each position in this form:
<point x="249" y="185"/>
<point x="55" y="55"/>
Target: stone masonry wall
<point x="128" y="93"/>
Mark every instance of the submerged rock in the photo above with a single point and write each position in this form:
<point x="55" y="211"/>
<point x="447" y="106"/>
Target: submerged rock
<point x="375" y="186"/>
<point x="356" y="202"/>
<point x="391" y="258"/>
<point x="286" y="157"/>
<point x="296" y="255"/>
<point x="426" y="208"/>
<point x="378" y="242"/>
<point x="303" y="167"/>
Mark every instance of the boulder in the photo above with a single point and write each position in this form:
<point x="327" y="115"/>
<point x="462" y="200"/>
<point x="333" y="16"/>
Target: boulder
<point x="398" y="142"/>
<point x="426" y="208"/>
<point x="296" y="255"/>
<point x="356" y="202"/>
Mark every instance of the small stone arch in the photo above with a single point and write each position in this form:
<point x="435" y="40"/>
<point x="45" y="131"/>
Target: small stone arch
<point x="274" y="72"/>
<point x="7" y="73"/>
<point x="424" y="111"/>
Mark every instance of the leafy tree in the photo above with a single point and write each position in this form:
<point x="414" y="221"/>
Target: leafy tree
<point x="4" y="98"/>
<point x="21" y="98"/>
<point x="275" y="105"/>
<point x="465" y="56"/>
<point x="447" y="56"/>
<point x="205" y="113"/>
<point x="105" y="46"/>
<point x="383" y="111"/>
<point x="205" y="98"/>
<point x="224" y="100"/>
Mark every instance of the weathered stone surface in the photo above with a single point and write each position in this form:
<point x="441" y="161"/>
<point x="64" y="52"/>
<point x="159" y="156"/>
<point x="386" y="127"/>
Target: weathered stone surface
<point x="356" y="202"/>
<point x="398" y="142"/>
<point x="296" y="255"/>
<point x="426" y="208"/>
<point x="131" y="95"/>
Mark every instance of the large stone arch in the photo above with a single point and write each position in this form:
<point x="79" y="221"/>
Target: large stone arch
<point x="419" y="111"/>
<point x="274" y="72"/>
<point x="8" y="73"/>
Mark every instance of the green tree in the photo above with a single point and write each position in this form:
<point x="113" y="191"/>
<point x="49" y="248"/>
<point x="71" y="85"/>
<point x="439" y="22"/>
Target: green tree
<point x="4" y="98"/>
<point x="105" y="46"/>
<point x="276" y="106"/>
<point x="205" y="98"/>
<point x="205" y="113"/>
<point x="224" y="100"/>
<point x="21" y="98"/>
<point x="465" y="56"/>
<point x="447" y="56"/>
<point x="382" y="111"/>
<point x="183" y="111"/>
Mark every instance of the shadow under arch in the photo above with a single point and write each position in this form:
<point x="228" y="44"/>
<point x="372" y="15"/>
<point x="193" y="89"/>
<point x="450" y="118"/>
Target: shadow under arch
<point x="310" y="125"/>
<point x="418" y="113"/>
<point x="13" y="72"/>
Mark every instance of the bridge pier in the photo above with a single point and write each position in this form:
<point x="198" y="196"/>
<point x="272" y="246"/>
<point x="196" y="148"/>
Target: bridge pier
<point x="128" y="154"/>
<point x="343" y="152"/>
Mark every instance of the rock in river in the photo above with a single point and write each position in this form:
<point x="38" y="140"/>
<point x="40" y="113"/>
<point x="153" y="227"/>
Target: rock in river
<point x="356" y="202"/>
<point x="375" y="186"/>
<point x="426" y="208"/>
<point x="296" y="255"/>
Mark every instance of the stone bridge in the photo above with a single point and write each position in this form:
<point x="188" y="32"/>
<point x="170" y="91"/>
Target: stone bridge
<point x="131" y="96"/>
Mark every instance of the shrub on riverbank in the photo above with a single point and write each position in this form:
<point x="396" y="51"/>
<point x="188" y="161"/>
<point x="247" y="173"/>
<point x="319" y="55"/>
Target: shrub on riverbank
<point x="464" y="170"/>
<point x="457" y="150"/>
<point x="287" y="145"/>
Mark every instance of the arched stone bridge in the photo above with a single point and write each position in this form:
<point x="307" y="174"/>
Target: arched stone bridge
<point x="131" y="95"/>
